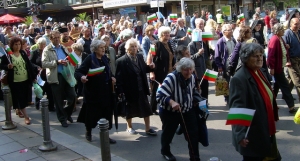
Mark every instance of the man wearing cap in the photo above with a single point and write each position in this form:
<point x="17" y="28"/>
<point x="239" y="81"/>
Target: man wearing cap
<point x="75" y="32"/>
<point x="65" y="39"/>
<point x="47" y="34"/>
<point x="53" y="60"/>
<point x="219" y="17"/>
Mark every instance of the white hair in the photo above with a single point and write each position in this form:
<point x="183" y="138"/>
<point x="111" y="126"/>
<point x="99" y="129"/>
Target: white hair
<point x="40" y="41"/>
<point x="96" y="43"/>
<point x="130" y="42"/>
<point x="226" y="27"/>
<point x="198" y="20"/>
<point x="126" y="34"/>
<point x="185" y="63"/>
<point x="163" y="29"/>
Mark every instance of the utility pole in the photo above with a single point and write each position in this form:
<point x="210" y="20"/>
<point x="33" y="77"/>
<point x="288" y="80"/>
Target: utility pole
<point x="182" y="9"/>
<point x="28" y="3"/>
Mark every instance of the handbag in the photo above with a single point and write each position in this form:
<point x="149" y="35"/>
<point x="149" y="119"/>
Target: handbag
<point x="4" y="78"/>
<point x="68" y="74"/>
<point x="222" y="87"/>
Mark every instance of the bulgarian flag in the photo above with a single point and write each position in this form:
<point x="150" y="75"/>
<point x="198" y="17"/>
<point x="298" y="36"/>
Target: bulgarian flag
<point x="189" y="31"/>
<point x="73" y="59"/>
<point x="241" y="17"/>
<point x="8" y="50"/>
<point x="210" y="75"/>
<point x="100" y="25"/>
<point x="152" y="17"/>
<point x="240" y="116"/>
<point x="96" y="71"/>
<point x="173" y="17"/>
<point x="152" y="49"/>
<point x="207" y="36"/>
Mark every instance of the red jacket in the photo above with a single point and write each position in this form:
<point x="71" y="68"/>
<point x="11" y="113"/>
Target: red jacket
<point x="274" y="60"/>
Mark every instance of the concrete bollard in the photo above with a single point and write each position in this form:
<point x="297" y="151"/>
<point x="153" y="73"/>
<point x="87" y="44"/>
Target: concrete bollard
<point x="104" y="139"/>
<point x="47" y="144"/>
<point x="8" y="122"/>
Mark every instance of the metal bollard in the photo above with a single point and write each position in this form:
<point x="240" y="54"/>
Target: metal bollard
<point x="47" y="144"/>
<point x="8" y="122"/>
<point x="104" y="139"/>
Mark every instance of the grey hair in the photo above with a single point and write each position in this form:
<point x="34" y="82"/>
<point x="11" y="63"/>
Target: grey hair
<point x="163" y="29"/>
<point x="198" y="20"/>
<point x="185" y="63"/>
<point x="77" y="46"/>
<point x="277" y="27"/>
<point x="96" y="43"/>
<point x="226" y="27"/>
<point x="104" y="37"/>
<point x="249" y="49"/>
<point x="127" y="34"/>
<point x="131" y="41"/>
<point x="180" y="19"/>
<point x="40" y="41"/>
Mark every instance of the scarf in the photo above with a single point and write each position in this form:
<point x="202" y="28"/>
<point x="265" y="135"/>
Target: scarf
<point x="265" y="96"/>
<point x="95" y="64"/>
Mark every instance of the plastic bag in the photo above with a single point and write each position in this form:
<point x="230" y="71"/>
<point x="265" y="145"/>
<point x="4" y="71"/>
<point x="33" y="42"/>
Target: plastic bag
<point x="38" y="91"/>
<point x="297" y="117"/>
<point x="222" y="87"/>
<point x="68" y="73"/>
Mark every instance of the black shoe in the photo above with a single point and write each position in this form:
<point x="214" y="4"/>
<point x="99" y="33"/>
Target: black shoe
<point x="293" y="110"/>
<point x="112" y="141"/>
<point x="37" y="107"/>
<point x="151" y="132"/>
<point x="70" y="119"/>
<point x="64" y="124"/>
<point x="155" y="113"/>
<point x="179" y="130"/>
<point x="169" y="157"/>
<point x="88" y="136"/>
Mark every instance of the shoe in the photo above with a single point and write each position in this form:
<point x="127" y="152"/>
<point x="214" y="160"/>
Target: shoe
<point x="19" y="112"/>
<point x="169" y="157"/>
<point x="88" y="136"/>
<point x="131" y="131"/>
<point x="27" y="121"/>
<point x="64" y="124"/>
<point x="179" y="130"/>
<point x="112" y="141"/>
<point x="70" y="119"/>
<point x="293" y="110"/>
<point x="151" y="132"/>
<point x="155" y="113"/>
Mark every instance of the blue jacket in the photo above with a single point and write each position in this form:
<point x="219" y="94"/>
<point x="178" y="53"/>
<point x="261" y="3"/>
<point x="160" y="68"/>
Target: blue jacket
<point x="146" y="44"/>
<point x="221" y="53"/>
<point x="291" y="39"/>
<point x="192" y="22"/>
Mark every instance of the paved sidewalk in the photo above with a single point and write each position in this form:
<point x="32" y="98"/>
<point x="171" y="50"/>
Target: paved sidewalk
<point x="22" y="143"/>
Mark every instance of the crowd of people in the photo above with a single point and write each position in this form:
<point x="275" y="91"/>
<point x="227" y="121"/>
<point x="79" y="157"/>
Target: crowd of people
<point x="114" y="56"/>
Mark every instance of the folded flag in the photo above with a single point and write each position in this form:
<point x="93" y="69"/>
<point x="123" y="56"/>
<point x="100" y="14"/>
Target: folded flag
<point x="240" y="116"/>
<point x="241" y="17"/>
<point x="173" y="17"/>
<point x="99" y="25"/>
<point x="96" y="71"/>
<point x="152" y="17"/>
<point x="210" y="75"/>
<point x="73" y="59"/>
<point x="189" y="31"/>
<point x="8" y="50"/>
<point x="152" y="49"/>
<point x="207" y="36"/>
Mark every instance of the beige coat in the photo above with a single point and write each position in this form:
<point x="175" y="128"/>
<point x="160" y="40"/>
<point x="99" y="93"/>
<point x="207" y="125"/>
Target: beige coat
<point x="49" y="62"/>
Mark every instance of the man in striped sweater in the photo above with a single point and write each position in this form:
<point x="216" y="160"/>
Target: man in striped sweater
<point x="175" y="96"/>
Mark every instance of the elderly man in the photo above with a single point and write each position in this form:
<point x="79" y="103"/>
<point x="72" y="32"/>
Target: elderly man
<point x="65" y="39"/>
<point x="181" y="33"/>
<point x="86" y="40"/>
<point x="53" y="59"/>
<point x="292" y="39"/>
<point x="28" y="38"/>
<point x="223" y="49"/>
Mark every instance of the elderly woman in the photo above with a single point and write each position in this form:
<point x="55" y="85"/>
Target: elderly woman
<point x="172" y="108"/>
<point x="278" y="58"/>
<point x="36" y="60"/>
<point x="96" y="76"/>
<point x="163" y="60"/>
<point x="132" y="82"/>
<point x="77" y="48"/>
<point x="19" y="76"/>
<point x="126" y="34"/>
<point x="236" y="31"/>
<point x="148" y="39"/>
<point x="249" y="89"/>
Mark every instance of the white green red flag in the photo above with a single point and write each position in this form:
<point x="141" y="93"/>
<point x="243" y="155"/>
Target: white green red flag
<point x="240" y="116"/>
<point x="173" y="17"/>
<point x="210" y="75"/>
<point x="207" y="36"/>
<point x="241" y="17"/>
<point x="8" y="50"/>
<point x="152" y="49"/>
<point x="95" y="71"/>
<point x="73" y="59"/>
<point x="189" y="31"/>
<point x="152" y="17"/>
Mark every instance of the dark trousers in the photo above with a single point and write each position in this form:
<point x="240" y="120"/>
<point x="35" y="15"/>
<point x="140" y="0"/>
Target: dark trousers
<point x="246" y="158"/>
<point x="170" y="121"/>
<point x="61" y="91"/>
<point x="204" y="88"/>
<point x="282" y="84"/>
<point x="78" y="88"/>
<point x="153" y="102"/>
<point x="46" y="90"/>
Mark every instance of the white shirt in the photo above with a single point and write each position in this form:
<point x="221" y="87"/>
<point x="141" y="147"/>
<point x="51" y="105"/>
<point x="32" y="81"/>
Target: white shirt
<point x="229" y="45"/>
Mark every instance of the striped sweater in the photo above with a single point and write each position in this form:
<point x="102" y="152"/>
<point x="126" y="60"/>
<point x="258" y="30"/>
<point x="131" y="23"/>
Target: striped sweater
<point x="171" y="89"/>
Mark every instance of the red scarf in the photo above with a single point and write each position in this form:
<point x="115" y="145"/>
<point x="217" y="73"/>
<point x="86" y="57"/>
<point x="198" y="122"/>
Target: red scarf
<point x="265" y="96"/>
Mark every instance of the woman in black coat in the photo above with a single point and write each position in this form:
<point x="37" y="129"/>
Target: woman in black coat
<point x="35" y="59"/>
<point x="19" y="76"/>
<point x="97" y="88"/>
<point x="132" y="82"/>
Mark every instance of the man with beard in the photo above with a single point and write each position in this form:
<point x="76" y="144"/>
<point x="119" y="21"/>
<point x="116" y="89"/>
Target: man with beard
<point x="86" y="40"/>
<point x="65" y="39"/>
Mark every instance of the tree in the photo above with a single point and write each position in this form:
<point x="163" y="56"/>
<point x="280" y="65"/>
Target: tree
<point x="83" y="17"/>
<point x="29" y="20"/>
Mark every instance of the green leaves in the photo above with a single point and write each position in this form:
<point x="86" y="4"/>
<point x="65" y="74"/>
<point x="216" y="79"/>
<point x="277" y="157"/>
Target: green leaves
<point x="83" y="16"/>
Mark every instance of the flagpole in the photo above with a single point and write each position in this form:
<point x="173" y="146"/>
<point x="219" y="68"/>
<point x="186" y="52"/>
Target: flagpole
<point x="248" y="130"/>
<point x="202" y="77"/>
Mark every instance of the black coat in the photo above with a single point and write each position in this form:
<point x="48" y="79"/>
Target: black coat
<point x="126" y="76"/>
